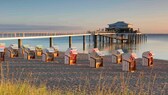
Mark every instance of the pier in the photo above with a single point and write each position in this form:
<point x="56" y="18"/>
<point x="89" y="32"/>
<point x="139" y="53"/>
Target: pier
<point x="99" y="37"/>
<point x="119" y="32"/>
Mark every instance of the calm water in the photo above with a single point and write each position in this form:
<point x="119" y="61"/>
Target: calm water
<point x="157" y="43"/>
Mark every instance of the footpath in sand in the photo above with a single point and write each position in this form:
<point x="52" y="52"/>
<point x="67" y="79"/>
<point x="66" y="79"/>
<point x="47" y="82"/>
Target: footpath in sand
<point x="59" y="75"/>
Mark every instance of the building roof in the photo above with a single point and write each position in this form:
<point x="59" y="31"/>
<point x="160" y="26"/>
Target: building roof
<point x="120" y="23"/>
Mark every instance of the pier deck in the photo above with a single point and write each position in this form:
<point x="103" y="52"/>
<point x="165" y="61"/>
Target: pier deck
<point x="110" y="36"/>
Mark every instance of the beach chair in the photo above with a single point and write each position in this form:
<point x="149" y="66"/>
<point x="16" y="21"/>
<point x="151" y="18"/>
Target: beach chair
<point x="117" y="56"/>
<point x="89" y="52"/>
<point x="56" y="52"/>
<point x="96" y="58"/>
<point x="48" y="55"/>
<point x="71" y="56"/>
<point x="29" y="53"/>
<point x="147" y="58"/>
<point x="13" y="51"/>
<point x="39" y="50"/>
<point x="2" y="51"/>
<point x="22" y="49"/>
<point x="129" y="62"/>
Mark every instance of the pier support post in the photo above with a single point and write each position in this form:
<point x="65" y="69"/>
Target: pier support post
<point x="128" y="39"/>
<point x="112" y="38"/>
<point x="106" y="38"/>
<point x="135" y="38"/>
<point x="103" y="39"/>
<point x="109" y="40"/>
<point x="19" y="43"/>
<point x="89" y="38"/>
<point x="143" y="38"/>
<point x="95" y="41"/>
<point x="146" y="39"/>
<point x="99" y="38"/>
<point x="51" y="41"/>
<point x="116" y="38"/>
<point x="70" y="41"/>
<point x="122" y="38"/>
<point x="140" y="38"/>
<point x="132" y="39"/>
<point x="84" y="41"/>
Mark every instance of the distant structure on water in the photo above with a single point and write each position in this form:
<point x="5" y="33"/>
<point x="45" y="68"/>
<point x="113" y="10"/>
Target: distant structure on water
<point x="121" y="27"/>
<point x="119" y="32"/>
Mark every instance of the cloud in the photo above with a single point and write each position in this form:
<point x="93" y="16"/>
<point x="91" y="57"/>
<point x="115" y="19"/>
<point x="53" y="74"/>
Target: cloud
<point x="22" y="27"/>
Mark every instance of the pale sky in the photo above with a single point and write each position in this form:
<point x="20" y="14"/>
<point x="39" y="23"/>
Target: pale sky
<point x="151" y="16"/>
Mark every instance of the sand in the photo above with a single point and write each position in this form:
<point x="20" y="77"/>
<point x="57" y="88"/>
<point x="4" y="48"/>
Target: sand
<point x="59" y="75"/>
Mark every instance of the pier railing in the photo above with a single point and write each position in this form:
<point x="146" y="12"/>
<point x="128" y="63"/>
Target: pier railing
<point x="38" y="34"/>
<point x="31" y="34"/>
<point x="24" y="35"/>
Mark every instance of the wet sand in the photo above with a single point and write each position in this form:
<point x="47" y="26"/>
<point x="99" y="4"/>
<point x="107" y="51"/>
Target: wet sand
<point x="59" y="75"/>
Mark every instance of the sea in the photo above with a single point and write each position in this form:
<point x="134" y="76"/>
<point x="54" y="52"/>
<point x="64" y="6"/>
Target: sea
<point x="157" y="43"/>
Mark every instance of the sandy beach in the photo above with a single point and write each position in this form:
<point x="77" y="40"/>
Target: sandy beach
<point x="59" y="75"/>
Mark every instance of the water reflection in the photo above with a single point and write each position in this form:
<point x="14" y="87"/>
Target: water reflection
<point x="107" y="47"/>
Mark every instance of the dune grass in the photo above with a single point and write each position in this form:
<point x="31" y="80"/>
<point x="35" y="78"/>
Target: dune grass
<point x="25" y="87"/>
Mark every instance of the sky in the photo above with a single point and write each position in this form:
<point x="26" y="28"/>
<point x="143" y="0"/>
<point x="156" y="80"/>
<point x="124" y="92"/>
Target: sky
<point x="150" y="16"/>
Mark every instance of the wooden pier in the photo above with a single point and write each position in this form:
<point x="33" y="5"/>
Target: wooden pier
<point x="99" y="37"/>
